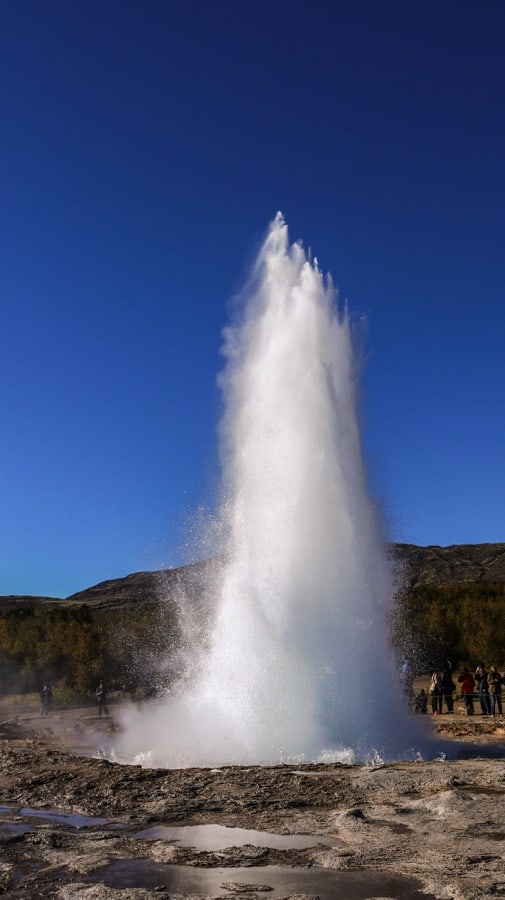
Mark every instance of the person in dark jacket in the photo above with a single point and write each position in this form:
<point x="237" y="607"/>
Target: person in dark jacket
<point x="45" y="696"/>
<point x="483" y="690"/>
<point x="448" y="687"/>
<point x="101" y="696"/>
<point x="421" y="702"/>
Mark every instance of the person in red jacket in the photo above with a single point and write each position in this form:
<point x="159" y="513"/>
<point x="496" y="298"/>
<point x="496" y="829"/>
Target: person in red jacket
<point x="467" y="682"/>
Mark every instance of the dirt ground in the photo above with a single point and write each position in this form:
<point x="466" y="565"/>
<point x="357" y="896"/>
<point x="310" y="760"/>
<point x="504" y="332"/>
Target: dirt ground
<point x="73" y="824"/>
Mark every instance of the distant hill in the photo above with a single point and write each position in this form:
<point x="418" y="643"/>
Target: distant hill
<point x="146" y="588"/>
<point x="418" y="566"/>
<point x="450" y="565"/>
<point x="141" y="588"/>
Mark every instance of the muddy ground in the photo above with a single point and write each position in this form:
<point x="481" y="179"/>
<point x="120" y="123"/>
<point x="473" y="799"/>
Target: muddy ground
<point x="73" y="825"/>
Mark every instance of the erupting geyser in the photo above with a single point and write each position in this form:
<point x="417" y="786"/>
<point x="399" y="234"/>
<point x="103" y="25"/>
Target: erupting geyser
<point x="297" y="663"/>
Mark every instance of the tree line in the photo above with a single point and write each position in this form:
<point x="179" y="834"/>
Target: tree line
<point x="75" y="647"/>
<point x="463" y="622"/>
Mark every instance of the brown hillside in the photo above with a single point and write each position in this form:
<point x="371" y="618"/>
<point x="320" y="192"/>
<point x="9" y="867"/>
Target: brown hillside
<point x="417" y="566"/>
<point x="450" y="565"/>
<point x="145" y="588"/>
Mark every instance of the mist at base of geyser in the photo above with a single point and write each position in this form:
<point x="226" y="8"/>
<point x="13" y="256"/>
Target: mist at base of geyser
<point x="296" y="663"/>
<point x="172" y="734"/>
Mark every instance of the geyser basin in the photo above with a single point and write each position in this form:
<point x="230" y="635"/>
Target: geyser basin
<point x="296" y="663"/>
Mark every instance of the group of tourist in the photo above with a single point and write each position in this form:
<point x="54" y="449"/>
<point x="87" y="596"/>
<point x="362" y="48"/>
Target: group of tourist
<point x="482" y="685"/>
<point x="486" y="685"/>
<point x="100" y="694"/>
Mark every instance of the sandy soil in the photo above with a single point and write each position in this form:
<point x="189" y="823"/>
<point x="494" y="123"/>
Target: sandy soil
<point x="73" y="824"/>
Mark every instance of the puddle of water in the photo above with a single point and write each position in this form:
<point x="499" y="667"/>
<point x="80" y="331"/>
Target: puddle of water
<point x="480" y="789"/>
<point x="15" y="828"/>
<point x="218" y="837"/>
<point x="476" y="751"/>
<point x="327" y="884"/>
<point x="54" y="815"/>
<point x="21" y="872"/>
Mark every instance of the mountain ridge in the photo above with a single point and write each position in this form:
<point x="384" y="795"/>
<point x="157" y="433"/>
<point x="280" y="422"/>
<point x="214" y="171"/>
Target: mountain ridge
<point x="416" y="565"/>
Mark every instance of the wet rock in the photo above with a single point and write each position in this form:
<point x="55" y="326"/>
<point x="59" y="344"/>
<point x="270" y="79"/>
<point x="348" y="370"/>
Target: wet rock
<point x="245" y="888"/>
<point x="438" y="822"/>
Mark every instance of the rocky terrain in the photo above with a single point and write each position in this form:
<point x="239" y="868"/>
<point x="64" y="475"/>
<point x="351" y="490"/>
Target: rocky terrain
<point x="448" y="565"/>
<point x="73" y="824"/>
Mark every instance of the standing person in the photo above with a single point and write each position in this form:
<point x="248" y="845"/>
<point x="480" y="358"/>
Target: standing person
<point x="101" y="696"/>
<point x="467" y="682"/>
<point x="45" y="696"/>
<point x="407" y="680"/>
<point x="448" y="686"/>
<point x="494" y="681"/>
<point x="436" y="694"/>
<point x="483" y="690"/>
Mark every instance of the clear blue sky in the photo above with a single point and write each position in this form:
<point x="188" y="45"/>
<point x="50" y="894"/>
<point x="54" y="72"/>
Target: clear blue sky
<point x="145" y="146"/>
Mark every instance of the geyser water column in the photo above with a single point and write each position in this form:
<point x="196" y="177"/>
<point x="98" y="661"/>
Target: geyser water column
<point x="297" y="663"/>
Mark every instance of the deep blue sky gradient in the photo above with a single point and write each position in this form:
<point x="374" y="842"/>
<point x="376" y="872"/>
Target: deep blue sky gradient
<point x="145" y="148"/>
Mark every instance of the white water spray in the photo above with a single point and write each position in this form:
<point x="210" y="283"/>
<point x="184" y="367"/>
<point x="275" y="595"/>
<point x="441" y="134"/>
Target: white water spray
<point x="298" y="664"/>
